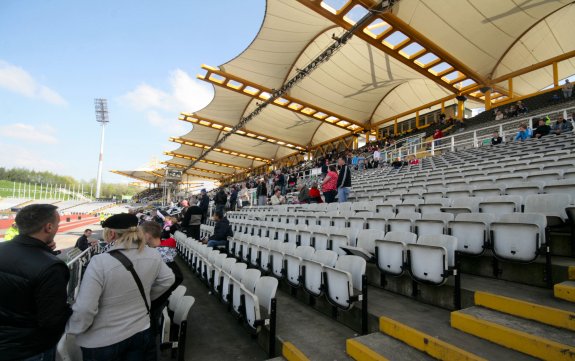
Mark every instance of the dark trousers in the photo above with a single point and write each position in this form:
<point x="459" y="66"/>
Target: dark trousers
<point x="194" y="232"/>
<point x="330" y="196"/>
<point x="138" y="347"/>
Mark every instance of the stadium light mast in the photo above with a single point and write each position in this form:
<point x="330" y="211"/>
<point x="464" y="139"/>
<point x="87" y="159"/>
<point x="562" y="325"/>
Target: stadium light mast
<point x="101" y="106"/>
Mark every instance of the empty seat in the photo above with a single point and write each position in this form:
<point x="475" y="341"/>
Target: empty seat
<point x="464" y="205"/>
<point x="471" y="231"/>
<point x="411" y="205"/>
<point x="312" y="270"/>
<point x="432" y="258"/>
<point x="390" y="252"/>
<point x="434" y="205"/>
<point x="523" y="189"/>
<point x="432" y="223"/>
<point x="487" y="191"/>
<point x="365" y="243"/>
<point x="545" y="176"/>
<point x="277" y="257"/>
<point x="266" y="288"/>
<point x="500" y="205"/>
<point x="560" y="186"/>
<point x="343" y="281"/>
<point x="551" y="205"/>
<point x="518" y="236"/>
<point x="181" y="320"/>
<point x="292" y="262"/>
<point x="402" y="222"/>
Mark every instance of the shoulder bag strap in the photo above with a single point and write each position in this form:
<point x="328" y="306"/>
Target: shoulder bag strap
<point x="130" y="267"/>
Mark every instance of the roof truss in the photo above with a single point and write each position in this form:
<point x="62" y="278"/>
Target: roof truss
<point x="193" y="118"/>
<point x="187" y="157"/>
<point x="228" y="81"/>
<point x="220" y="150"/>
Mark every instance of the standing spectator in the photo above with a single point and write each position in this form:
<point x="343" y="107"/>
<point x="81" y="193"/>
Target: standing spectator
<point x="33" y="281"/>
<point x="204" y="205"/>
<point x="111" y="318"/>
<point x="496" y="139"/>
<point x="220" y="200"/>
<point x="329" y="185"/>
<point x="233" y="198"/>
<point x="376" y="157"/>
<point x="280" y="182"/>
<point x="542" y="130"/>
<point x="567" y="89"/>
<point x="343" y="181"/>
<point x="521" y="109"/>
<point x="437" y="135"/>
<point x="83" y="243"/>
<point x="261" y="192"/>
<point x="562" y="126"/>
<point x="325" y="167"/>
<point x="192" y="221"/>
<point x="314" y="194"/>
<point x="354" y="161"/>
<point x="277" y="198"/>
<point x="244" y="195"/>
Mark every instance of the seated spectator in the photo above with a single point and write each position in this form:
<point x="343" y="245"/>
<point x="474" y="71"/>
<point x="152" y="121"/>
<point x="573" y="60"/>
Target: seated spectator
<point x="303" y="195"/>
<point x="499" y="114"/>
<point x="111" y="315"/>
<point x="521" y="109"/>
<point x="496" y="139"/>
<point x="542" y="130"/>
<point x="314" y="194"/>
<point x="562" y="126"/>
<point x="438" y="134"/>
<point x="222" y="230"/>
<point x="84" y="242"/>
<point x="522" y="133"/>
<point x="396" y="164"/>
<point x="277" y="198"/>
<point x="413" y="160"/>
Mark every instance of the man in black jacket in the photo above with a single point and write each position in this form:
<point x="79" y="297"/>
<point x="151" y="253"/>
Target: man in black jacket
<point x="204" y="205"/>
<point x="192" y="221"/>
<point x="222" y="231"/>
<point x="343" y="181"/>
<point x="33" y="305"/>
<point x="220" y="200"/>
<point x="83" y="243"/>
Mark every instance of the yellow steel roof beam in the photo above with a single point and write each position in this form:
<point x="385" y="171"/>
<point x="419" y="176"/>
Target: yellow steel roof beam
<point x="187" y="157"/>
<point x="219" y="150"/>
<point x="194" y="119"/>
<point x="256" y="91"/>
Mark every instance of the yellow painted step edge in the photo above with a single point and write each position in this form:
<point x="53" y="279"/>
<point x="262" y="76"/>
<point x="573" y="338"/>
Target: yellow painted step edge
<point x="360" y="352"/>
<point x="564" y="292"/>
<point x="531" y="311"/>
<point x="432" y="346"/>
<point x="511" y="338"/>
<point x="292" y="353"/>
<point x="571" y="273"/>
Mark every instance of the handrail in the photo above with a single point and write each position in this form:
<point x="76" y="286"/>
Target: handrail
<point x="76" y="267"/>
<point x="472" y="137"/>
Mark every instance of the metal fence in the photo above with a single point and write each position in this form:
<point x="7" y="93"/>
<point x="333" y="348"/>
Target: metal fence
<point x="77" y="263"/>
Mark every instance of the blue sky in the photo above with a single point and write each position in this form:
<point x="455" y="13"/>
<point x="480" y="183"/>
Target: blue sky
<point x="56" y="56"/>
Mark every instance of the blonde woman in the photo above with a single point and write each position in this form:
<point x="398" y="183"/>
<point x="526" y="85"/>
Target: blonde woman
<point x="111" y="317"/>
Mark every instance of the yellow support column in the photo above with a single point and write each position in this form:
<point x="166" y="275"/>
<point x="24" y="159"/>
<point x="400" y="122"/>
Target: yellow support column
<point x="555" y="74"/>
<point x="355" y="141"/>
<point x="488" y="100"/>
<point x="443" y="107"/>
<point x="417" y="120"/>
<point x="460" y="109"/>
<point x="395" y="132"/>
<point x="510" y="87"/>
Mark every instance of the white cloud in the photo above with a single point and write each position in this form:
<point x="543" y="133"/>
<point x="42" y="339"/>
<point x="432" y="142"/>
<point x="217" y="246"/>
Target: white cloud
<point x="162" y="107"/>
<point x="23" y="157"/>
<point x="18" y="80"/>
<point x="38" y="134"/>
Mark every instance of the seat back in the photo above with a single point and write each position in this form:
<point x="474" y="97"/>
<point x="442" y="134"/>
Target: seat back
<point x="266" y="288"/>
<point x="250" y="278"/>
<point x="471" y="231"/>
<point x="431" y="258"/>
<point x="175" y="297"/>
<point x="183" y="309"/>
<point x="337" y="240"/>
<point x="366" y="239"/>
<point x="355" y="266"/>
<point x="552" y="205"/>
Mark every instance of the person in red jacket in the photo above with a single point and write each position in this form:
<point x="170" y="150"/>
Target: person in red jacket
<point x="314" y="194"/>
<point x="436" y="136"/>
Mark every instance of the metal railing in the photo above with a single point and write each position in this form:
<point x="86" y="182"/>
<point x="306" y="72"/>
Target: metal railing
<point x="77" y="263"/>
<point x="473" y="138"/>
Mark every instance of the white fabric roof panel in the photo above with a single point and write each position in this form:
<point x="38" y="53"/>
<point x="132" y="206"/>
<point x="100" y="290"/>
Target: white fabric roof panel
<point x="226" y="107"/>
<point x="287" y="28"/>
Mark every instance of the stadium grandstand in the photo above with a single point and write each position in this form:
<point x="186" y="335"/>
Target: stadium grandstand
<point x="453" y="237"/>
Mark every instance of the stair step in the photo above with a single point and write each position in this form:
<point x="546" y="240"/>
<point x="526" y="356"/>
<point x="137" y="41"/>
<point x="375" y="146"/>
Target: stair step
<point x="530" y="337"/>
<point x="432" y="346"/>
<point x="291" y="353"/>
<point x="565" y="291"/>
<point x="531" y="311"/>
<point x="311" y="332"/>
<point x="379" y="347"/>
<point x="571" y="272"/>
<point x="434" y="322"/>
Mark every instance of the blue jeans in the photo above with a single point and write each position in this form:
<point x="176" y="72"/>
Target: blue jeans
<point x="214" y="243"/>
<point x="342" y="194"/>
<point x="138" y="347"/>
<point x="48" y="355"/>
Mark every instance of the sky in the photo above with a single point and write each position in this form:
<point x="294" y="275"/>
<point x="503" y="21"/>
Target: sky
<point x="56" y="56"/>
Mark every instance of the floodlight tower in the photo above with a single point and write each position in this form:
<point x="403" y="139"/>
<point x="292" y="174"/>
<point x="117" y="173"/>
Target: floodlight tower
<point x="101" y="106"/>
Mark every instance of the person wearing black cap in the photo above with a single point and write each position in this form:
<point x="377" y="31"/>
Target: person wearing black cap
<point x="111" y="315"/>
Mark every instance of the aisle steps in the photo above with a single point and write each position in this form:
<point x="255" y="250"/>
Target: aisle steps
<point x="534" y="329"/>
